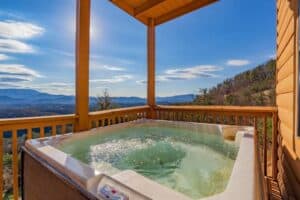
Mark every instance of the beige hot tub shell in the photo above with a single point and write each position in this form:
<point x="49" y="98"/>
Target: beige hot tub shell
<point x="241" y="183"/>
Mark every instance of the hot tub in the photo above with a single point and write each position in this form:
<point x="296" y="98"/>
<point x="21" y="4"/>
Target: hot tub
<point x="153" y="159"/>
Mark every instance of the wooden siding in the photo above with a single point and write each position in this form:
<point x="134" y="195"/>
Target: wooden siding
<point x="286" y="66"/>
<point x="286" y="87"/>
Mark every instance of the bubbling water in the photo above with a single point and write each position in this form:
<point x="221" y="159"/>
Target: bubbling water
<point x="196" y="164"/>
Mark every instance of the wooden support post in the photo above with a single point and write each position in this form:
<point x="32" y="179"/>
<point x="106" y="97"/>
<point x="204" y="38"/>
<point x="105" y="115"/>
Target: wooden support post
<point x="82" y="64"/>
<point x="151" y="68"/>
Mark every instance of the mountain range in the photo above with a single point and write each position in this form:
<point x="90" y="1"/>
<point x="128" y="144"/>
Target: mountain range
<point x="25" y="97"/>
<point x="28" y="102"/>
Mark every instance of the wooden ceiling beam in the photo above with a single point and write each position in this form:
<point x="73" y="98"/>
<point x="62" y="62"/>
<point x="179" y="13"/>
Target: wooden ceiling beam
<point x="140" y="10"/>
<point x="128" y="9"/>
<point x="194" y="5"/>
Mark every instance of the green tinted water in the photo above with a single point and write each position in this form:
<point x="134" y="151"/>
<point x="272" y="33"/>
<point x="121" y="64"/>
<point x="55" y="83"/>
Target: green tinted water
<point x="196" y="164"/>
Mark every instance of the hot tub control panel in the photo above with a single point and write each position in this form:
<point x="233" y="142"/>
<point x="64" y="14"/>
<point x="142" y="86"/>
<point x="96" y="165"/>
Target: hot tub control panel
<point x="108" y="188"/>
<point x="110" y="193"/>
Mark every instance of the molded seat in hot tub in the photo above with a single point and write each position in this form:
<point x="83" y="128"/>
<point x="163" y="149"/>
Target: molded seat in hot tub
<point x="147" y="187"/>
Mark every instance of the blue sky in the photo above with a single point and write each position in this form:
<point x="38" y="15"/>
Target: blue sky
<point x="199" y="50"/>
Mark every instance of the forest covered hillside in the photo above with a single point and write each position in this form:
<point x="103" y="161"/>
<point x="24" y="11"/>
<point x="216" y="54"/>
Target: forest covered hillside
<point x="255" y="87"/>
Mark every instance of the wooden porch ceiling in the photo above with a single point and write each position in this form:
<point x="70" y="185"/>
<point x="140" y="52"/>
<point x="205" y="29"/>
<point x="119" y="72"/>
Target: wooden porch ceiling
<point x="160" y="11"/>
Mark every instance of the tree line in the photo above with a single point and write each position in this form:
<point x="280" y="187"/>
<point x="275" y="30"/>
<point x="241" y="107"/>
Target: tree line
<point x="255" y="87"/>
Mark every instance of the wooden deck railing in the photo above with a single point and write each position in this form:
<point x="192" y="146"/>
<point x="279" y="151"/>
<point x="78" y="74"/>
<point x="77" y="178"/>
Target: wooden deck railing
<point x="16" y="131"/>
<point x="264" y="119"/>
<point x="12" y="132"/>
<point x="115" y="116"/>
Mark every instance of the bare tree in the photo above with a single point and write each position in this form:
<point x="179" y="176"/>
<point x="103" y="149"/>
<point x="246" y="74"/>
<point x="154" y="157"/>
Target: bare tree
<point x="104" y="102"/>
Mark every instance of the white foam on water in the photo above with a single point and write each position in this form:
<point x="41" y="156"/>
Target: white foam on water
<point x="102" y="154"/>
<point x="202" y="172"/>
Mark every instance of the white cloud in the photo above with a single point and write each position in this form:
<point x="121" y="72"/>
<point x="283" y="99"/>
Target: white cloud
<point x="113" y="68"/>
<point x="111" y="59"/>
<point x="114" y="79"/>
<point x="273" y="56"/>
<point x="14" y="46"/>
<point x="141" y="82"/>
<point x="17" y="73"/>
<point x="60" y="84"/>
<point x="189" y="73"/>
<point x="14" y="15"/>
<point x="5" y="85"/>
<point x="54" y="88"/>
<point x="11" y="32"/>
<point x="95" y="66"/>
<point x="19" y="30"/>
<point x="200" y="71"/>
<point x="4" y="57"/>
<point x="62" y="52"/>
<point x="237" y="62"/>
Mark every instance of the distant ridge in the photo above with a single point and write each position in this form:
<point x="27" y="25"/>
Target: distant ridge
<point x="27" y="97"/>
<point x="28" y="102"/>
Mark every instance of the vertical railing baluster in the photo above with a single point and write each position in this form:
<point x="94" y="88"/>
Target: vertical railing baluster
<point x="15" y="164"/>
<point x="29" y="133"/>
<point x="42" y="132"/>
<point x="53" y="130"/>
<point x="214" y="118"/>
<point x="1" y="163"/>
<point x="236" y="119"/>
<point x="249" y="120"/>
<point x="274" y="146"/>
<point x="265" y="145"/>
<point x="63" y="128"/>
<point x="256" y="143"/>
<point x="222" y="119"/>
<point x="255" y="130"/>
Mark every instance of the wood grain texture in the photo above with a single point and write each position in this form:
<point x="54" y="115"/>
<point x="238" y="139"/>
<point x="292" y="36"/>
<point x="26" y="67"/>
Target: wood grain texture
<point x="286" y="90"/>
<point x="83" y="14"/>
<point x="160" y="10"/>
<point x="286" y="69"/>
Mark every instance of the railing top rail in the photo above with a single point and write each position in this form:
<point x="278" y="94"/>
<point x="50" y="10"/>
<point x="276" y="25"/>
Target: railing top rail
<point x="241" y="109"/>
<point x="26" y="120"/>
<point x="118" y="110"/>
<point x="246" y="109"/>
